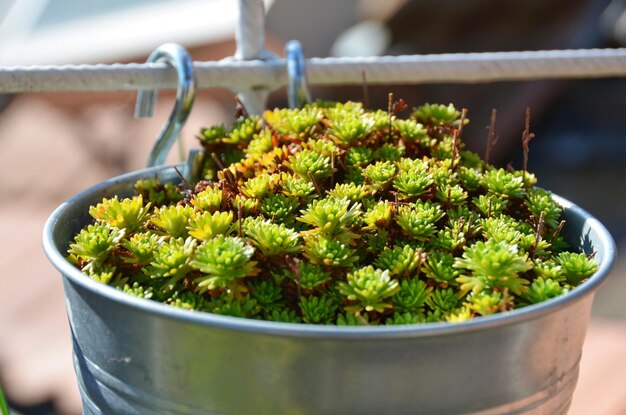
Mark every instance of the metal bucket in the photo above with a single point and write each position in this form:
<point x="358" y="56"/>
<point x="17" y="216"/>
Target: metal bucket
<point x="135" y="356"/>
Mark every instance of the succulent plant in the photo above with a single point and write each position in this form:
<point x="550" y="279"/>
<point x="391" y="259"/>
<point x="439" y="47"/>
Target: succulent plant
<point x="173" y="220"/>
<point x="442" y="301"/>
<point x="243" y="307"/>
<point x="267" y="294"/>
<point x="378" y="216"/>
<point x="279" y="208"/>
<point x="128" y="214"/>
<point x="380" y="174"/>
<point x="539" y="202"/>
<point x="437" y="114"/>
<point x="543" y="289"/>
<point x="286" y="315"/>
<point x="156" y="192"/>
<point x="308" y="164"/>
<point x="411" y="296"/>
<point x="326" y="251"/>
<point x="222" y="261"/>
<point x="334" y="214"/>
<point x="401" y="261"/>
<point x="310" y="277"/>
<point x="412" y="183"/>
<point x="209" y="200"/>
<point x="243" y="131"/>
<point x="271" y="238"/>
<point x="576" y="266"/>
<point x="318" y="310"/>
<point x="206" y="226"/>
<point x="350" y="129"/>
<point x="419" y="220"/>
<point x="94" y="244"/>
<point x="331" y="216"/>
<point x="486" y="302"/>
<point x="504" y="184"/>
<point x="493" y="264"/>
<point x="359" y="156"/>
<point x="369" y="289"/>
<point x="439" y="267"/>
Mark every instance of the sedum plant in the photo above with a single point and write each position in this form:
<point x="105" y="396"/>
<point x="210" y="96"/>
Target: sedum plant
<point x="493" y="264"/>
<point x="222" y="262"/>
<point x="128" y="214"/>
<point x="94" y="245"/>
<point x="367" y="289"/>
<point x="206" y="226"/>
<point x="171" y="262"/>
<point x="271" y="239"/>
<point x="334" y="214"/>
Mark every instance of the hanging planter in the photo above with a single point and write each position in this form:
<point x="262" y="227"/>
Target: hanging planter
<point x="135" y="356"/>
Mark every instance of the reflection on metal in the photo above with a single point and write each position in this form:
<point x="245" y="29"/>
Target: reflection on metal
<point x="176" y="56"/>
<point x="297" y="90"/>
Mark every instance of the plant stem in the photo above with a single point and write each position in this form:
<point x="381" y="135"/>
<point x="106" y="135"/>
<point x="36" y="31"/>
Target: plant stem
<point x="318" y="189"/>
<point x="240" y="109"/>
<point x="217" y="161"/>
<point x="390" y="112"/>
<point x="492" y="137"/>
<point x="526" y="137"/>
<point x="239" y="213"/>
<point x="463" y="118"/>
<point x="538" y="232"/>
<point x="557" y="231"/>
<point x="182" y="179"/>
<point x="4" y="407"/>
<point x="456" y="148"/>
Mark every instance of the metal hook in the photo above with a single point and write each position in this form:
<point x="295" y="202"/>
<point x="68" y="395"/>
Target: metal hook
<point x="176" y="56"/>
<point x="297" y="90"/>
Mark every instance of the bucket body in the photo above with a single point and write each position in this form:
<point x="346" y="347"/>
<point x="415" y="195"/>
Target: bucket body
<point x="135" y="356"/>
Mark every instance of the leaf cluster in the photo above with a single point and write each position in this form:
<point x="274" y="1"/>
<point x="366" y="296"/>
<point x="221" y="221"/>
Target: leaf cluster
<point x="333" y="214"/>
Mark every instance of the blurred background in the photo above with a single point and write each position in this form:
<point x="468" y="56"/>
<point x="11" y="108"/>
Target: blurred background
<point x="54" y="145"/>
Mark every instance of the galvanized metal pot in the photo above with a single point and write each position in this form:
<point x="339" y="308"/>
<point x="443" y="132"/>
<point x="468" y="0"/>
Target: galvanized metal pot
<point x="135" y="356"/>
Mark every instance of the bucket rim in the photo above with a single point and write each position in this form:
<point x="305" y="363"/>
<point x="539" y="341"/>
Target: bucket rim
<point x="75" y="276"/>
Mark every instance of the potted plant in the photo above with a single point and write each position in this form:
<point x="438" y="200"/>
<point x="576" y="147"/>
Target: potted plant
<point x="336" y="260"/>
